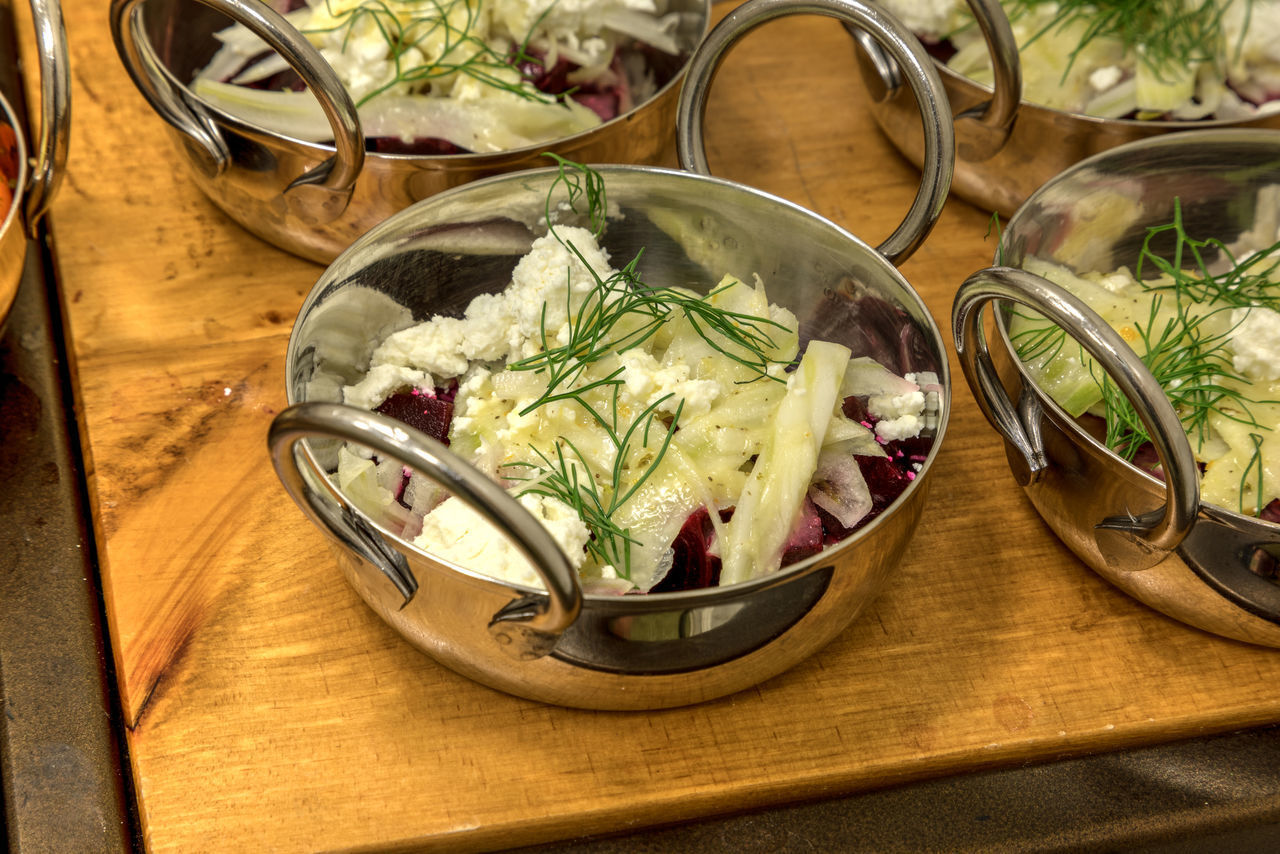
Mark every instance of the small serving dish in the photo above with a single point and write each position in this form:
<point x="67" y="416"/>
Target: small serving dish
<point x="1006" y="146"/>
<point x="555" y="642"/>
<point x="315" y="198"/>
<point x="1154" y="537"/>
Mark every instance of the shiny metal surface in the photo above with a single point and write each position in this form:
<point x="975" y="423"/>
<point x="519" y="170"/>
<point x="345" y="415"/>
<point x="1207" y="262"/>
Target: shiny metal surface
<point x="1218" y="573"/>
<point x="41" y="171"/>
<point x="254" y="174"/>
<point x="620" y="652"/>
<point x="910" y="63"/>
<point x="1006" y="155"/>
<point x="314" y="197"/>
<point x="1150" y="535"/>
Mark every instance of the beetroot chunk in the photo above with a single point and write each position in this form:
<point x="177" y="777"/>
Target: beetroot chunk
<point x="805" y="539"/>
<point x="693" y="566"/>
<point x="1271" y="513"/>
<point x="432" y="414"/>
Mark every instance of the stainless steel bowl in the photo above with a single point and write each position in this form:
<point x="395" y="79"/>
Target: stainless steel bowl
<point x="559" y="645"/>
<point x="314" y="199"/>
<point x="37" y="181"/>
<point x="1199" y="563"/>
<point x="1006" y="147"/>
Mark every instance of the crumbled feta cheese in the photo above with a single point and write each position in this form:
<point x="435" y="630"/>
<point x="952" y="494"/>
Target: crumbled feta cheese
<point x="1255" y="342"/>
<point x="455" y="532"/>
<point x="507" y="325"/>
<point x="381" y="381"/>
<point x="901" y="415"/>
<point x="933" y="18"/>
<point x="1102" y="79"/>
<point x="648" y="381"/>
<point x="1117" y="282"/>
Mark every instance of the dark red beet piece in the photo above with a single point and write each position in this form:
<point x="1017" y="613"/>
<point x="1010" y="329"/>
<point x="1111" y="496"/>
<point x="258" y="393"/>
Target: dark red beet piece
<point x="855" y="409"/>
<point x="692" y="567"/>
<point x="1271" y="513"/>
<point x="430" y="414"/>
<point x="885" y="480"/>
<point x="805" y="539"/>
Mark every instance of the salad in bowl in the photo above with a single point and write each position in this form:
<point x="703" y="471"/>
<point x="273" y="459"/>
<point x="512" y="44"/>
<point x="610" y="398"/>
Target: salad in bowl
<point x="1040" y="85"/>
<point x="310" y="123"/>
<point x="1181" y="60"/>
<point x="452" y="76"/>
<point x="1135" y="376"/>
<point x="612" y="436"/>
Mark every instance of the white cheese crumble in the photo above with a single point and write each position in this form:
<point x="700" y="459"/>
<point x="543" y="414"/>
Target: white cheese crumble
<point x="901" y="415"/>
<point x="456" y="533"/>
<point x="507" y="325"/>
<point x="1255" y="342"/>
<point x="932" y="18"/>
<point x="1104" y="78"/>
<point x="382" y="381"/>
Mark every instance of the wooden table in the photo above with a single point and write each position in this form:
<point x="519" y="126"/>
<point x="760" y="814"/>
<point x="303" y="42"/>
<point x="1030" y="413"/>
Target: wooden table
<point x="268" y="709"/>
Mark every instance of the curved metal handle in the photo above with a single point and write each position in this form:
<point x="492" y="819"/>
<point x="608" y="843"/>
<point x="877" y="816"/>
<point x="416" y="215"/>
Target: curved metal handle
<point x="55" y="112"/>
<point x="983" y="130"/>
<point x="902" y="46"/>
<point x="528" y="627"/>
<point x="318" y="195"/>
<point x="1159" y="531"/>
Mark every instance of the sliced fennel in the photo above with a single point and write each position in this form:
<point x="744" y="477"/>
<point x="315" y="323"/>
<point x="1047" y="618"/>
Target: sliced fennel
<point x="492" y="123"/>
<point x="780" y="478"/>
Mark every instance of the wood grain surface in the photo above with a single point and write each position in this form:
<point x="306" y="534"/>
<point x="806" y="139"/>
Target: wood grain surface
<point x="268" y="709"/>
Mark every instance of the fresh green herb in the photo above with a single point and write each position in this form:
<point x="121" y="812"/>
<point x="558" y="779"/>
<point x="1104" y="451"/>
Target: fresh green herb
<point x="1188" y="359"/>
<point x="411" y="22"/>
<point x="614" y="315"/>
<point x="571" y="480"/>
<point x="1162" y="33"/>
<point x="1247" y="283"/>
<point x="1255" y="463"/>
<point x="1191" y="366"/>
<point x="625" y="297"/>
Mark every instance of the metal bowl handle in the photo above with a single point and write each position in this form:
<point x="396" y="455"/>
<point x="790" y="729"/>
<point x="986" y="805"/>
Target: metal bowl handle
<point x="317" y="196"/>
<point x="983" y="129"/>
<point x="528" y="627"/>
<point x="888" y="32"/>
<point x="1156" y="532"/>
<point x="55" y="112"/>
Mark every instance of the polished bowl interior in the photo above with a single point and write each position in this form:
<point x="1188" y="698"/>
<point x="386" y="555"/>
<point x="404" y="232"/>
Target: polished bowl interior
<point x="635" y="651"/>
<point x="263" y="164"/>
<point x="998" y="169"/>
<point x="1094" y="217"/>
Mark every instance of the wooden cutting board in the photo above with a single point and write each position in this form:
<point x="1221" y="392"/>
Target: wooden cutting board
<point x="268" y="709"/>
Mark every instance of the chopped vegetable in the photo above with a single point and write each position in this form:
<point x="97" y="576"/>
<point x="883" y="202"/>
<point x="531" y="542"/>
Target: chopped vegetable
<point x="1205" y="319"/>
<point x="1135" y="59"/>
